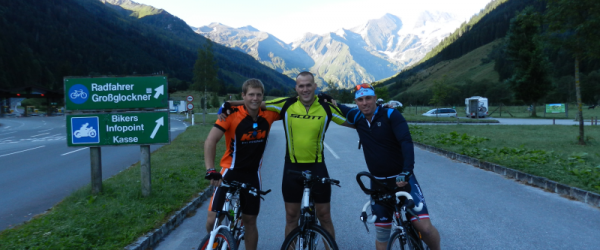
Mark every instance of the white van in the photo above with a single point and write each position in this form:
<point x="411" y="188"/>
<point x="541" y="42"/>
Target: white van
<point x="477" y="106"/>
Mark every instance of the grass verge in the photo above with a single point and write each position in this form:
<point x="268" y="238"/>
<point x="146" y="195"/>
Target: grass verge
<point x="419" y="118"/>
<point x="118" y="216"/>
<point x="547" y="151"/>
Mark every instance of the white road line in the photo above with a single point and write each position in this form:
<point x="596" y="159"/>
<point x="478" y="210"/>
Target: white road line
<point x="331" y="151"/>
<point x="22" y="151"/>
<point x="6" y="137"/>
<point x="74" y="151"/>
<point x="40" y="134"/>
<point x="45" y="130"/>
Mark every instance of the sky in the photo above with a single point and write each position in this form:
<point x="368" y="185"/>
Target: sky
<point x="290" y="20"/>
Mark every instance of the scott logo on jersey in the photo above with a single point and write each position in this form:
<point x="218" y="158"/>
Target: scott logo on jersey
<point x="310" y="117"/>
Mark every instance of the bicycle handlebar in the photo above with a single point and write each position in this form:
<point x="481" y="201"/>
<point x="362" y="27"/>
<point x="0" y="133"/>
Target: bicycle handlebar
<point x="409" y="203"/>
<point x="307" y="175"/>
<point x="244" y="186"/>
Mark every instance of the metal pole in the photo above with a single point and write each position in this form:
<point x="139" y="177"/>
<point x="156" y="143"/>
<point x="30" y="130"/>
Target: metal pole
<point x="96" y="164"/>
<point x="145" y="169"/>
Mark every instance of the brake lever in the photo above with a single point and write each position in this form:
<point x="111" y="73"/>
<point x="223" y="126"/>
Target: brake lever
<point x="411" y="213"/>
<point x="363" y="218"/>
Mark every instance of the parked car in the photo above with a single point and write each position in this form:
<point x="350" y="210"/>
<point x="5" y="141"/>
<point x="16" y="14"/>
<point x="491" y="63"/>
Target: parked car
<point x="394" y="104"/>
<point x="446" y="112"/>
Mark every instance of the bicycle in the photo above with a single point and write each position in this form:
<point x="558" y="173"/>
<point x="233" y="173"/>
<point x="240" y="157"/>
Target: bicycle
<point x="309" y="234"/>
<point x="230" y="235"/>
<point x="404" y="236"/>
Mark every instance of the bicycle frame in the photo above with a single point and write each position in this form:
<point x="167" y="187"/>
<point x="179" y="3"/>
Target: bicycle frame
<point x="230" y="200"/>
<point x="231" y="211"/>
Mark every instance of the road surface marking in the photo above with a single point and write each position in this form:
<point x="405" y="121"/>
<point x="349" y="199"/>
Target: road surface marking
<point x="331" y="151"/>
<point x="22" y="151"/>
<point x="6" y="137"/>
<point x="40" y="134"/>
<point x="74" y="151"/>
<point x="45" y="130"/>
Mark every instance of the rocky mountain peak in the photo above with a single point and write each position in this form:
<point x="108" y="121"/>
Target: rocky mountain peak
<point x="249" y="28"/>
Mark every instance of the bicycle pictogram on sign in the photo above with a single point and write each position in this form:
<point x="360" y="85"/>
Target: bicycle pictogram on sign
<point x="78" y="93"/>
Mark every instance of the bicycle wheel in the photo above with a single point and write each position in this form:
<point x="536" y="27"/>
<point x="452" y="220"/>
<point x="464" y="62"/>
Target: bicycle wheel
<point x="314" y="238"/>
<point x="411" y="243"/>
<point x="223" y="240"/>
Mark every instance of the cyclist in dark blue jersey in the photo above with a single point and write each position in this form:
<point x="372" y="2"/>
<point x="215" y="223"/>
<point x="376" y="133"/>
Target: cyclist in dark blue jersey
<point x="390" y="157"/>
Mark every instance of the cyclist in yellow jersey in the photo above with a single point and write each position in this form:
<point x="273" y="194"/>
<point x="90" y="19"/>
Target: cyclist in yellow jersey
<point x="305" y="121"/>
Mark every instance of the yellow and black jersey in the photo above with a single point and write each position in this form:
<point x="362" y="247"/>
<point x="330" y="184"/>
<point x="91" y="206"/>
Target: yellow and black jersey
<point x="245" y="141"/>
<point x="305" y="131"/>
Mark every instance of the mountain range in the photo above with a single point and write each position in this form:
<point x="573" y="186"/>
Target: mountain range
<point x="376" y="50"/>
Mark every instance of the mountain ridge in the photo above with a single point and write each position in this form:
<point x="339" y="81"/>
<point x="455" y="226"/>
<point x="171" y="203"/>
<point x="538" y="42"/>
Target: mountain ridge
<point x="375" y="50"/>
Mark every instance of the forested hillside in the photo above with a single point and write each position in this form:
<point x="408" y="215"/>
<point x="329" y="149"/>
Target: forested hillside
<point x="459" y="67"/>
<point x="43" y="41"/>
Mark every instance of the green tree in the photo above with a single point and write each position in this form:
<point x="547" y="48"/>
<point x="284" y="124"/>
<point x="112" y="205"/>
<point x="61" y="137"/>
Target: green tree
<point x="214" y="101"/>
<point x="441" y="91"/>
<point x="332" y="90"/>
<point x="530" y="80"/>
<point x="382" y="93"/>
<point x="205" y="73"/>
<point x="574" y="27"/>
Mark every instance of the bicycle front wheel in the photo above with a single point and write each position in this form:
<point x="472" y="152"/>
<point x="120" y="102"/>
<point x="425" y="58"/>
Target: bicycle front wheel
<point x="410" y="243"/>
<point x="223" y="240"/>
<point x="313" y="238"/>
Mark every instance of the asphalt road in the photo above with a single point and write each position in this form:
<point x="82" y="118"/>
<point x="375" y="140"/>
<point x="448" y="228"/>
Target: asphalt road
<point x="37" y="169"/>
<point x="472" y="208"/>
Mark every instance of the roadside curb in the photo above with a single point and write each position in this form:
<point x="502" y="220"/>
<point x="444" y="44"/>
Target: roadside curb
<point x="590" y="198"/>
<point x="150" y="240"/>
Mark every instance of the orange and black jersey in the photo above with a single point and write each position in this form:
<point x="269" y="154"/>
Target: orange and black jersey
<point x="245" y="142"/>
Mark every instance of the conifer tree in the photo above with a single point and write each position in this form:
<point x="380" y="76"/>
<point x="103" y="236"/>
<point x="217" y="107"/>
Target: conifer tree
<point x="205" y="73"/>
<point x="530" y="81"/>
<point x="574" y="27"/>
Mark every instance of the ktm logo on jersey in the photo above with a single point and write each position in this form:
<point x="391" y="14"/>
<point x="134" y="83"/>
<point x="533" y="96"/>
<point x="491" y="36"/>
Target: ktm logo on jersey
<point x="261" y="134"/>
<point x="310" y="117"/>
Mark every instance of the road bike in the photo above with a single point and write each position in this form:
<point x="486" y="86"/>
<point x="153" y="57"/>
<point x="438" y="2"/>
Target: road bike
<point x="309" y="234"/>
<point x="404" y="236"/>
<point x="228" y="230"/>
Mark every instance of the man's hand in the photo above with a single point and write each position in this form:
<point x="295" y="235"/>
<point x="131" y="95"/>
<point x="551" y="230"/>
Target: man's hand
<point x="224" y="111"/>
<point x="403" y="178"/>
<point x="325" y="97"/>
<point x="214" y="177"/>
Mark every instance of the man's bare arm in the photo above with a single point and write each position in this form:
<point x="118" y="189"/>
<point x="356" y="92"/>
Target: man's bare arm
<point x="210" y="150"/>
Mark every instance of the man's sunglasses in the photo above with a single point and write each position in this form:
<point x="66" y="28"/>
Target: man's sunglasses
<point x="364" y="86"/>
<point x="255" y="127"/>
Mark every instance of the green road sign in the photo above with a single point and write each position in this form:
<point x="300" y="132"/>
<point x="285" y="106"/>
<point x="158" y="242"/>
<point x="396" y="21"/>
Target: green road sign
<point x="555" y="108"/>
<point x="118" y="129"/>
<point x="98" y="93"/>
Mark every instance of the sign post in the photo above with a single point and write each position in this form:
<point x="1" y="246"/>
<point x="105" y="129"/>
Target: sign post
<point x="117" y="129"/>
<point x="190" y="109"/>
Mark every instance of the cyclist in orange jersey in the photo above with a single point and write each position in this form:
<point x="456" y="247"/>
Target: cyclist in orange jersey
<point x="246" y="131"/>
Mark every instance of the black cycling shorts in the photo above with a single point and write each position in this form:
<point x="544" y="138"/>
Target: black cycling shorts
<point x="384" y="214"/>
<point x="292" y="186"/>
<point x="250" y="203"/>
